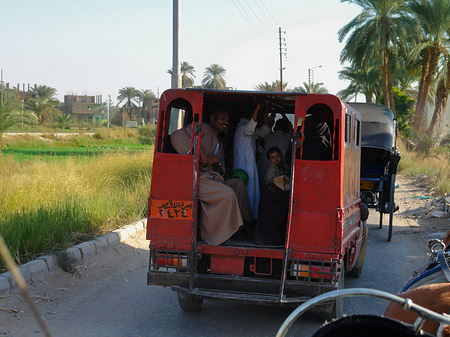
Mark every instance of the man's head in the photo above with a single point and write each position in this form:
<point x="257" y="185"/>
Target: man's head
<point x="220" y="121"/>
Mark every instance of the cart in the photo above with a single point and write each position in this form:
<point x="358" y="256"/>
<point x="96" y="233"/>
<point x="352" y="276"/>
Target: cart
<point x="365" y="325"/>
<point x="379" y="159"/>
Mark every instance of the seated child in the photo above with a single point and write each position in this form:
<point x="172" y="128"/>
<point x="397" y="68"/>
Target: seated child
<point x="276" y="168"/>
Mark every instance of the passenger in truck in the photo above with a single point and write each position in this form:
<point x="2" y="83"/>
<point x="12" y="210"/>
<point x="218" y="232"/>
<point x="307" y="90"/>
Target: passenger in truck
<point x="317" y="142"/>
<point x="224" y="202"/>
<point x="245" y="152"/>
<point x="276" y="167"/>
<point x="274" y="203"/>
<point x="280" y="137"/>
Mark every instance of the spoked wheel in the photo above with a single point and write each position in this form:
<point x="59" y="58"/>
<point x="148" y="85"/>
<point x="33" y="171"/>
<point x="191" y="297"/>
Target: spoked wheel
<point x="380" y="207"/>
<point x="190" y="302"/>
<point x="391" y="207"/>
<point x="381" y="219"/>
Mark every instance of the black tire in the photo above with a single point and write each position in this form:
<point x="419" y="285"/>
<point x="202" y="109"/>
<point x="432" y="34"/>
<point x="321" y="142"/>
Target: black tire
<point x="358" y="267"/>
<point x="190" y="302"/>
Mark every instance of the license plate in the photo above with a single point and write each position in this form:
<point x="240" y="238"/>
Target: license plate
<point x="367" y="185"/>
<point x="171" y="209"/>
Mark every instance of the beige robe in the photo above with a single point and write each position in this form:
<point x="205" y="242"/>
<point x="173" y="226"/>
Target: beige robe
<point x="224" y="203"/>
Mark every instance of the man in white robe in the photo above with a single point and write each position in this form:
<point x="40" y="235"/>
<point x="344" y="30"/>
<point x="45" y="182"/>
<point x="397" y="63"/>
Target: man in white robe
<point x="245" y="153"/>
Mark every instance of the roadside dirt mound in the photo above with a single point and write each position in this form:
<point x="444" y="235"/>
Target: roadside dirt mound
<point x="420" y="212"/>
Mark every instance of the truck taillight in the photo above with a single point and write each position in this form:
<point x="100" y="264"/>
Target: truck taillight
<point x="172" y="261"/>
<point x="311" y="272"/>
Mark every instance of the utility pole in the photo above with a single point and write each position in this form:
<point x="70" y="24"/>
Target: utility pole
<point x="311" y="76"/>
<point x="1" y="84"/>
<point x="109" y="104"/>
<point x="281" y="58"/>
<point x="176" y="81"/>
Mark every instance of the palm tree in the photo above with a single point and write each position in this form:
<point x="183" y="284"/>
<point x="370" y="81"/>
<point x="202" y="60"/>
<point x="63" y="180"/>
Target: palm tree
<point x="187" y="74"/>
<point x="63" y="120"/>
<point x="213" y="77"/>
<point x="432" y="18"/>
<point x="274" y="86"/>
<point x="43" y="103"/>
<point x="381" y="29"/>
<point x="313" y="88"/>
<point x="129" y="95"/>
<point x="11" y="115"/>
<point x="362" y="81"/>
<point x="442" y="91"/>
<point x="44" y="91"/>
<point x="144" y="95"/>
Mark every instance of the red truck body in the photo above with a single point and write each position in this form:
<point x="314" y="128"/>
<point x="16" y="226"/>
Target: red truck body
<point x="325" y="235"/>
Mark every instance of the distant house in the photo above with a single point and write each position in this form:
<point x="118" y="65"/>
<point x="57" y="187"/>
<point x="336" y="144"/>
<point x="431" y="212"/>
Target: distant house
<point x="150" y="111"/>
<point x="84" y="108"/>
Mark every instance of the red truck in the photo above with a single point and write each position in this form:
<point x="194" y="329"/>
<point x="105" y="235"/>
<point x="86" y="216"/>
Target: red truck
<point x="325" y="237"/>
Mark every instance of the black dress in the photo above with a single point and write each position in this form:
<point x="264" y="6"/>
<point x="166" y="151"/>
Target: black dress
<point x="272" y="217"/>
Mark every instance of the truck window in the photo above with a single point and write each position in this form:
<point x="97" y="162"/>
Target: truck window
<point x="357" y="133"/>
<point x="348" y="128"/>
<point x="177" y="119"/>
<point x="318" y="133"/>
<point x="177" y="115"/>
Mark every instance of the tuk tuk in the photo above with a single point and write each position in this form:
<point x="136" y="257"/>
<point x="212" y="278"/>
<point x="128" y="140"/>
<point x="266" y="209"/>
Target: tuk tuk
<point x="379" y="159"/>
<point x="324" y="235"/>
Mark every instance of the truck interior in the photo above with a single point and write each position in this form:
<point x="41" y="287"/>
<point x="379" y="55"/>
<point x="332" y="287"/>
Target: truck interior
<point x="180" y="113"/>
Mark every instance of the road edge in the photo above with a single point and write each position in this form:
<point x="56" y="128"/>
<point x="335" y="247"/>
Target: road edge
<point x="42" y="265"/>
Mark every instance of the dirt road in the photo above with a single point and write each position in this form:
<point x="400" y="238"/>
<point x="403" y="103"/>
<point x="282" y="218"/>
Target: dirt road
<point x="109" y="295"/>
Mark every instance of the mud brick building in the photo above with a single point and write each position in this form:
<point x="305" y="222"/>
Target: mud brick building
<point x="84" y="108"/>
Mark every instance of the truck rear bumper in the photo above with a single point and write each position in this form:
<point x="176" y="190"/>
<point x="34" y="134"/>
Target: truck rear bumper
<point x="237" y="288"/>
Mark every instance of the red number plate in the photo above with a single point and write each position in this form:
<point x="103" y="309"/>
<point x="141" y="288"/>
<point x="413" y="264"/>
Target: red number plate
<point x="171" y="209"/>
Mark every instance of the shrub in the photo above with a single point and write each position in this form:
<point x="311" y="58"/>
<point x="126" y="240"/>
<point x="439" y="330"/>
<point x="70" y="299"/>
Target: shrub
<point x="426" y="143"/>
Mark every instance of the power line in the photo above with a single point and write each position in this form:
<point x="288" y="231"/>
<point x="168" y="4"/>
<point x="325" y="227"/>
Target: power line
<point x="257" y="17"/>
<point x="251" y="23"/>
<point x="270" y="14"/>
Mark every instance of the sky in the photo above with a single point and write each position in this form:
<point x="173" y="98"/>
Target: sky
<point x="96" y="47"/>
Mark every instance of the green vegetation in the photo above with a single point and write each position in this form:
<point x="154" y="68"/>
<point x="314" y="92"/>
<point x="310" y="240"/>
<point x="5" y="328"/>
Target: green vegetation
<point x="431" y="161"/>
<point x="50" y="146"/>
<point x="43" y="103"/>
<point x="46" y="206"/>
<point x="187" y="74"/>
<point x="213" y="77"/>
<point x="402" y="44"/>
<point x="56" y="191"/>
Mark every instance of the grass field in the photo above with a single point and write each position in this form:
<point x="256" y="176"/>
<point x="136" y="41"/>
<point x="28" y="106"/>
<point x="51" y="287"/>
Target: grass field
<point x="434" y="165"/>
<point x="57" y="195"/>
<point x="50" y="153"/>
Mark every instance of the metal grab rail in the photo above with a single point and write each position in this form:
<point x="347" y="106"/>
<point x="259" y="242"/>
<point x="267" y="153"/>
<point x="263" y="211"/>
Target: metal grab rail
<point x="407" y="304"/>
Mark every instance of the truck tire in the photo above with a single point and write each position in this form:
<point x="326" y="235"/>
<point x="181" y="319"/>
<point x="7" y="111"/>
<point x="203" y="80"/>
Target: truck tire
<point x="358" y="267"/>
<point x="190" y="302"/>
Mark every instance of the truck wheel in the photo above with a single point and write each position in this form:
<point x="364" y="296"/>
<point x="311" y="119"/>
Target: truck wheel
<point x="190" y="302"/>
<point x="358" y="267"/>
<point x="334" y="310"/>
